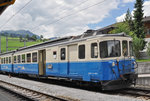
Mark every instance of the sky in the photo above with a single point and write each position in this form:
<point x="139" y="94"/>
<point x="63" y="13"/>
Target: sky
<point x="59" y="18"/>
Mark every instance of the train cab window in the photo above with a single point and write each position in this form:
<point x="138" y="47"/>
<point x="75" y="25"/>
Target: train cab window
<point x="125" y="48"/>
<point x="9" y="59"/>
<point x="23" y="58"/>
<point x="34" y="57"/>
<point x="15" y="59"/>
<point x="19" y="59"/>
<point x="81" y="52"/>
<point x="110" y="48"/>
<point x="94" y="50"/>
<point x="29" y="57"/>
<point x="63" y="53"/>
<point x="6" y="60"/>
<point x="131" y="48"/>
<point x="54" y="54"/>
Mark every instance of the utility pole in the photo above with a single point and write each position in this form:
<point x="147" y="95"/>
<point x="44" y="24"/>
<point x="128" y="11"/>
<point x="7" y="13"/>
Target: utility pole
<point x="24" y="42"/>
<point x="6" y="43"/>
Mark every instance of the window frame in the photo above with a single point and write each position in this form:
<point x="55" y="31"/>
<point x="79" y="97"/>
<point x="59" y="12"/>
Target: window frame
<point x="18" y="60"/>
<point x="36" y="57"/>
<point x="107" y="48"/>
<point x="10" y="60"/>
<point x="22" y="58"/>
<point x="127" y="48"/>
<point x="61" y="50"/>
<point x="84" y="56"/>
<point x="30" y="58"/>
<point x="14" y="59"/>
<point x="94" y="50"/>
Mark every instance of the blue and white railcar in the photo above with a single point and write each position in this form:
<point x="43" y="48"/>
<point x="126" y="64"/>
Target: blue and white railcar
<point x="25" y="62"/>
<point x="6" y="62"/>
<point x="104" y="59"/>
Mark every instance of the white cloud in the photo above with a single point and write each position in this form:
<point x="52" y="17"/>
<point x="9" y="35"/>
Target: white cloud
<point x="146" y="8"/>
<point x="121" y="18"/>
<point x="127" y="1"/>
<point x="42" y="12"/>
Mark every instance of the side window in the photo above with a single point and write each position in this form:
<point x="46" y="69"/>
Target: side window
<point x="81" y="52"/>
<point x="6" y="60"/>
<point x="34" y="57"/>
<point x="63" y="53"/>
<point x="28" y="57"/>
<point x="9" y="59"/>
<point x="94" y="50"/>
<point x="54" y="54"/>
<point x="2" y="61"/>
<point x="23" y="58"/>
<point x="125" y="48"/>
<point x="131" y="48"/>
<point x="15" y="59"/>
<point x="19" y="59"/>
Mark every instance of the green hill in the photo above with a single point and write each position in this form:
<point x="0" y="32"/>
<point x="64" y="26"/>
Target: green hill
<point x="14" y="43"/>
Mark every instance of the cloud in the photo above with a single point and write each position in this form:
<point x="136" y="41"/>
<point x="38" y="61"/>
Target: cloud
<point x="127" y="1"/>
<point x="146" y="7"/>
<point x="121" y="18"/>
<point x="42" y="12"/>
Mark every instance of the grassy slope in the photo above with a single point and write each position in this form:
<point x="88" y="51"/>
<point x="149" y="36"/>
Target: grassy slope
<point x="12" y="43"/>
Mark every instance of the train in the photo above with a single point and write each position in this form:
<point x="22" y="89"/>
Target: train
<point x="106" y="60"/>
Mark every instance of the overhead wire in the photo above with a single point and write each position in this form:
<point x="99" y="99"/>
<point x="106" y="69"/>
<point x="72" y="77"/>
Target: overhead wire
<point x="70" y="14"/>
<point x="64" y="11"/>
<point x="15" y="14"/>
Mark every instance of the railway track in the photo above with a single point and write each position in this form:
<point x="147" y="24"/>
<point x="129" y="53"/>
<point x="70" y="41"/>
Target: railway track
<point x="30" y="94"/>
<point x="136" y="92"/>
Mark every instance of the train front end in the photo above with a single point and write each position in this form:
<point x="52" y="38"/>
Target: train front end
<point x="119" y="65"/>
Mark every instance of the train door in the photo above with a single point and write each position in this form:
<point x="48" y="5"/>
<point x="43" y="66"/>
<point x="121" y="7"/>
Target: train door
<point x="72" y="58"/>
<point x="42" y="62"/>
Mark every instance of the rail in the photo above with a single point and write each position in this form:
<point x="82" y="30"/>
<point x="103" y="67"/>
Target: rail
<point x="31" y="94"/>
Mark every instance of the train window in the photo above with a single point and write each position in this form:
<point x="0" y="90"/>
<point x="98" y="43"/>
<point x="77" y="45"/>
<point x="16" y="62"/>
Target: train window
<point x="2" y="61"/>
<point x="54" y="54"/>
<point x="63" y="53"/>
<point x="19" y="59"/>
<point x="131" y="48"/>
<point x="6" y="60"/>
<point x="94" y="50"/>
<point x="23" y="58"/>
<point x="125" y="48"/>
<point x="34" y="57"/>
<point x="9" y="59"/>
<point x="110" y="48"/>
<point x="15" y="59"/>
<point x="81" y="52"/>
<point x="29" y="57"/>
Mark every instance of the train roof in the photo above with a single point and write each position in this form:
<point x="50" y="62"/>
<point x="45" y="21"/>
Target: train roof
<point x="65" y="40"/>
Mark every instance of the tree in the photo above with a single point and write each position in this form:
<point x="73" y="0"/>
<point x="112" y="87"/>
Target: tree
<point x="27" y="37"/>
<point x="129" y="20"/>
<point x="138" y="17"/>
<point x="34" y="37"/>
<point x="121" y="27"/>
<point x="41" y="37"/>
<point x="20" y="37"/>
<point x="138" y="44"/>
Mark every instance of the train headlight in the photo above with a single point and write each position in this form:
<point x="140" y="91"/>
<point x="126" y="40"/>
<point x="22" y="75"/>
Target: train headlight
<point x="113" y="64"/>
